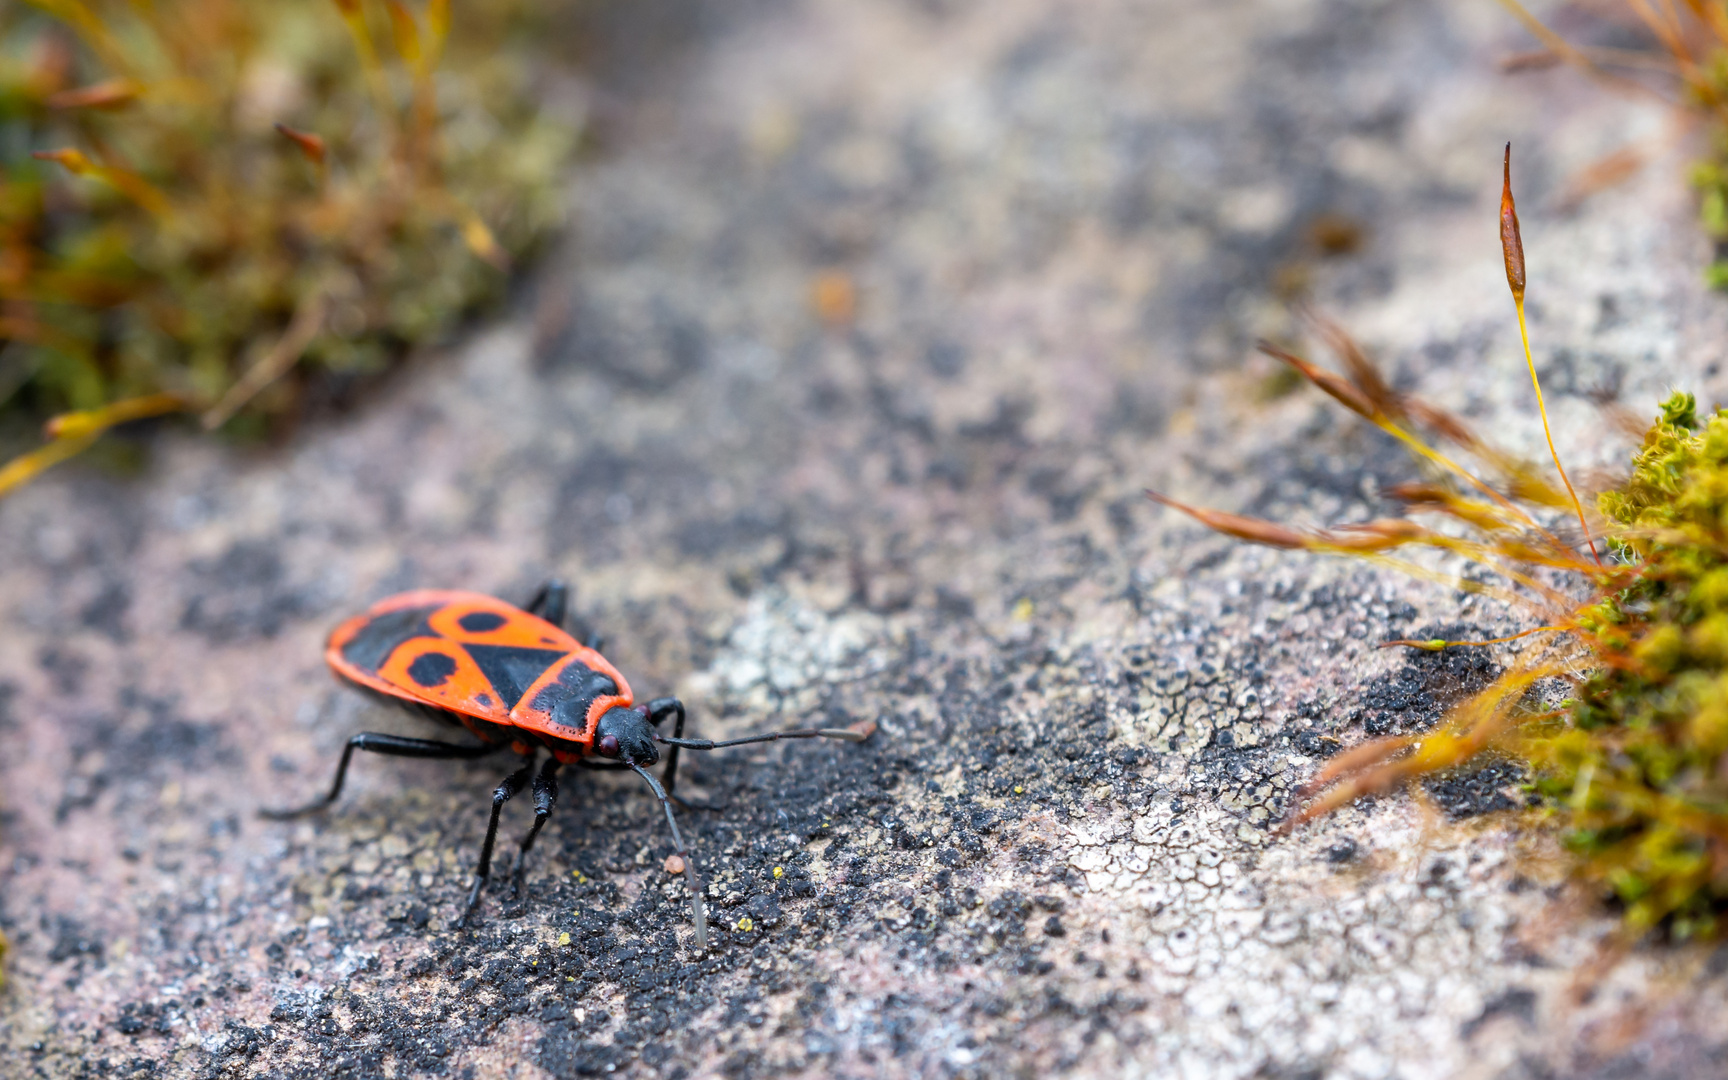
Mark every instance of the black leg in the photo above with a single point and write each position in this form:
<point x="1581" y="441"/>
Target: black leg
<point x="545" y="797"/>
<point x="550" y="602"/>
<point x="658" y="710"/>
<point x="379" y="743"/>
<point x="692" y="881"/>
<point x="503" y="794"/>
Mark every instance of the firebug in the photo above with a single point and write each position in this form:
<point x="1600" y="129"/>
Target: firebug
<point x="518" y="681"/>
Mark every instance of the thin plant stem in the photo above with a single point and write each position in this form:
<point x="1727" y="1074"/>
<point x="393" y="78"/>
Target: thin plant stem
<point x="1438" y="644"/>
<point x="1541" y="407"/>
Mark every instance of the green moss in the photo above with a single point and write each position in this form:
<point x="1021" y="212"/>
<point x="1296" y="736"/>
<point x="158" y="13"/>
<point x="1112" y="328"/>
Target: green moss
<point x="1641" y="773"/>
<point x="176" y="233"/>
<point x="1634" y="765"/>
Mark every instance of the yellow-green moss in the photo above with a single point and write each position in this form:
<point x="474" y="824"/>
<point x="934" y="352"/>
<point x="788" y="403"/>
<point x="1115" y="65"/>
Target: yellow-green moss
<point x="1641" y="773"/>
<point x="1633" y="767"/>
<point x="176" y="233"/>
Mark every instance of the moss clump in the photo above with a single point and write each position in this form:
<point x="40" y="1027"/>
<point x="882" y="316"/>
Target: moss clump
<point x="247" y="205"/>
<point x="1633" y="766"/>
<point x="1640" y="774"/>
<point x="1635" y="762"/>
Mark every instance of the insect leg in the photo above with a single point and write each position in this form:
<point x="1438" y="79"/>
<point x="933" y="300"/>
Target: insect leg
<point x="658" y="710"/>
<point x="698" y="917"/>
<point x="545" y="797"/>
<point x="379" y="743"/>
<point x="550" y="602"/>
<point x="503" y="794"/>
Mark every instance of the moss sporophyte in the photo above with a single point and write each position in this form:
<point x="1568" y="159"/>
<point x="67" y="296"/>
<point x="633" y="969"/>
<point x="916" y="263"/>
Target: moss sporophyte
<point x="1618" y="703"/>
<point x="1682" y="62"/>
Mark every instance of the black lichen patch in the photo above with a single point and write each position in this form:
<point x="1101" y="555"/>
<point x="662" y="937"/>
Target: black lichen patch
<point x="148" y="1018"/>
<point x="72" y="942"/>
<point x="106" y="611"/>
<point x="65" y="666"/>
<point x="1517" y="1003"/>
<point x="1472" y="791"/>
<point x="1417" y="695"/>
<point x="132" y="746"/>
<point x="244" y="593"/>
<point x="1341" y="851"/>
<point x="814" y="846"/>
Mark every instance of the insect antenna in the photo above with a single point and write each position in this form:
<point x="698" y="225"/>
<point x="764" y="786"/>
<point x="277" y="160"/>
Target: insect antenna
<point x="691" y="881"/>
<point x="855" y="733"/>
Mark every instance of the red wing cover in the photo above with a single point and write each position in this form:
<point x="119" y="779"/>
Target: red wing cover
<point x="469" y="653"/>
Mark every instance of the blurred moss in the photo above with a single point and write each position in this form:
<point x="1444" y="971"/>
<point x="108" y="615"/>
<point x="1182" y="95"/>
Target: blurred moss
<point x="239" y="202"/>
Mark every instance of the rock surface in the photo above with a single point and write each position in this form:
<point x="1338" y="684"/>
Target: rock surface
<point x="1045" y="236"/>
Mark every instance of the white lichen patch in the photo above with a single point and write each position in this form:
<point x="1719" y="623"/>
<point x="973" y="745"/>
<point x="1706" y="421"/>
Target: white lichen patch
<point x="1180" y="711"/>
<point x="784" y="654"/>
<point x="1263" y="958"/>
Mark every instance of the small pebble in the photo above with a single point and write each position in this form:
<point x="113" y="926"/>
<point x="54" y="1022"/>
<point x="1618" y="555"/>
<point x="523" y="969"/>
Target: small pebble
<point x="674" y="864"/>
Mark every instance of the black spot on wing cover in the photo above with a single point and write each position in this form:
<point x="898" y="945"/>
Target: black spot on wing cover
<point x="512" y="669"/>
<point x="431" y="669"/>
<point x="368" y="649"/>
<point x="481" y="622"/>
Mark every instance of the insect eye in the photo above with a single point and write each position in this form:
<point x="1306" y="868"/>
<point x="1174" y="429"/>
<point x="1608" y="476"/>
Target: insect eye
<point x="608" y="746"/>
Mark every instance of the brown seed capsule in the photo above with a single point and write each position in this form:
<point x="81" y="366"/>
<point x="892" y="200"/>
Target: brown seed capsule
<point x="310" y="145"/>
<point x="1338" y="387"/>
<point x="1511" y="243"/>
<point x="834" y="295"/>
<point x="674" y="864"/>
<point x="73" y="160"/>
<point x="1253" y="530"/>
<point x="106" y="95"/>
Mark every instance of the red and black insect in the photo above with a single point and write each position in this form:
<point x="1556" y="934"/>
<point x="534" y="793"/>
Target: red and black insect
<point x="515" y="679"/>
